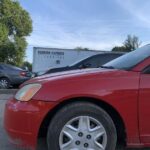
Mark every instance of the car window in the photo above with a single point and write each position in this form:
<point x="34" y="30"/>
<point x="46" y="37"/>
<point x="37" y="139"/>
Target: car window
<point x="78" y="62"/>
<point x="130" y="60"/>
<point x="103" y="59"/>
<point x="98" y="60"/>
<point x="147" y="70"/>
<point x="93" y="61"/>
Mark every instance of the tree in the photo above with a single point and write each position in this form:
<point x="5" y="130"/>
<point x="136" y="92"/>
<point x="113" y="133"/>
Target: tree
<point x="81" y="48"/>
<point x="3" y="33"/>
<point x="119" y="49"/>
<point x="15" y="25"/>
<point x="130" y="44"/>
<point x="28" y="65"/>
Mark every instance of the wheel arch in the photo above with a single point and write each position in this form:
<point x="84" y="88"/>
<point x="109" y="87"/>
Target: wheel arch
<point x="117" y="119"/>
<point x="5" y="76"/>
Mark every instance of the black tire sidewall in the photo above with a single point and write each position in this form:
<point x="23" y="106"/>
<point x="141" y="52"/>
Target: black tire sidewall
<point x="80" y="109"/>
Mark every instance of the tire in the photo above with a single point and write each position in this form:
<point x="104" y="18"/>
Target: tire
<point x="77" y="115"/>
<point x="4" y="83"/>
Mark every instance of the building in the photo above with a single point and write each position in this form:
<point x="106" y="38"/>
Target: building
<point x="46" y="58"/>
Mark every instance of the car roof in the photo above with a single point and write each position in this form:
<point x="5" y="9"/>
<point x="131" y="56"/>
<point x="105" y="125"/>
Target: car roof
<point x="4" y="64"/>
<point x="107" y="53"/>
<point x="10" y="66"/>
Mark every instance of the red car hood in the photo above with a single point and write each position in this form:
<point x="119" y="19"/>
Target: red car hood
<point x="68" y="74"/>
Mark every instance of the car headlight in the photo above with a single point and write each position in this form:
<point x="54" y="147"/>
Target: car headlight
<point x="27" y="92"/>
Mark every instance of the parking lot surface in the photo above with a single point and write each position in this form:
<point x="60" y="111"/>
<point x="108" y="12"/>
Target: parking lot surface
<point x="4" y="143"/>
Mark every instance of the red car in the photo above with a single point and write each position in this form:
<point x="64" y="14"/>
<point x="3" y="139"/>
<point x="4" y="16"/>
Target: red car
<point x="91" y="109"/>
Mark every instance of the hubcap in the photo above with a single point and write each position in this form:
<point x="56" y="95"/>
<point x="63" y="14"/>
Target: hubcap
<point x="3" y="83"/>
<point x="82" y="133"/>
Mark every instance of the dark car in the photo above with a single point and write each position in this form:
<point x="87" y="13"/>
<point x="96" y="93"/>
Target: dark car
<point x="11" y="75"/>
<point x="90" y="62"/>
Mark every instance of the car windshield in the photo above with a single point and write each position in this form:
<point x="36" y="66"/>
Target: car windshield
<point x="78" y="61"/>
<point x="128" y="61"/>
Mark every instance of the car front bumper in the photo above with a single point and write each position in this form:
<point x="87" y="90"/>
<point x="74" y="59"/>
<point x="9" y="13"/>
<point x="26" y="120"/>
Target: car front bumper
<point x="22" y="121"/>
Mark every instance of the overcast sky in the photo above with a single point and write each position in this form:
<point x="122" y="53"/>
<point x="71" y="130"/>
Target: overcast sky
<point x="96" y="24"/>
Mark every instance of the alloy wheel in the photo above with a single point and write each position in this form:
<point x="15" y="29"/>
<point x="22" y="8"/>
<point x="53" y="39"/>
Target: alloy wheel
<point x="83" y="132"/>
<point x="4" y="84"/>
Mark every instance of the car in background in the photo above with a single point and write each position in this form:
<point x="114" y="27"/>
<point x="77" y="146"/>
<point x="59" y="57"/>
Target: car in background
<point x="90" y="62"/>
<point x="12" y="76"/>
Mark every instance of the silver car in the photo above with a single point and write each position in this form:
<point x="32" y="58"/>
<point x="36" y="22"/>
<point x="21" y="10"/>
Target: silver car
<point x="12" y="76"/>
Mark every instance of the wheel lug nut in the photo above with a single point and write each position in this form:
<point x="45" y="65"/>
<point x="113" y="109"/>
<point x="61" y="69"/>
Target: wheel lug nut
<point x="80" y="134"/>
<point x="77" y="142"/>
<point x="86" y="145"/>
<point x="88" y="136"/>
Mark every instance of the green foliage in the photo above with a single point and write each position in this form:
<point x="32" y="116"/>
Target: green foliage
<point x="130" y="44"/>
<point x="3" y="33"/>
<point x="119" y="49"/>
<point x="15" y="25"/>
<point x="81" y="48"/>
<point x="28" y="65"/>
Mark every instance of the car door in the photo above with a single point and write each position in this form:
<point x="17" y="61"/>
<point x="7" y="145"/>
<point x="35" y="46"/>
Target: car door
<point x="1" y="71"/>
<point x="144" y="106"/>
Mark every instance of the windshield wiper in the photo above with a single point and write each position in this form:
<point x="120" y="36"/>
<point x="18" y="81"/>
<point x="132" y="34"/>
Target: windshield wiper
<point x="107" y="67"/>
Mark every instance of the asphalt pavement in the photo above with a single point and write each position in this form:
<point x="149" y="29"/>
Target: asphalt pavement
<point x="4" y="142"/>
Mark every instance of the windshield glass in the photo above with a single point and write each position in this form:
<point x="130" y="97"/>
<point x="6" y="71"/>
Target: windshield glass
<point x="78" y="61"/>
<point x="131" y="59"/>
